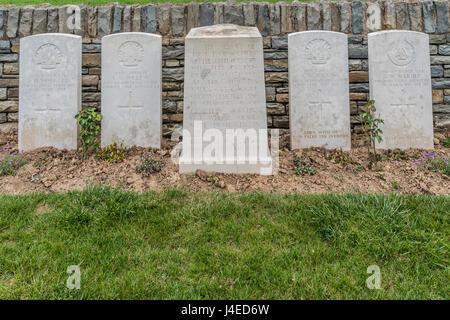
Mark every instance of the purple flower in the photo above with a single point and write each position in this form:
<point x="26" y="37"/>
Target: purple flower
<point x="12" y="154"/>
<point x="17" y="163"/>
<point x="415" y="162"/>
<point x="446" y="162"/>
<point x="22" y="151"/>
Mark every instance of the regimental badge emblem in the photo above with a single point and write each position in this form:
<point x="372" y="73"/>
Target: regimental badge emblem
<point x="318" y="51"/>
<point x="49" y="57"/>
<point x="131" y="54"/>
<point x="401" y="53"/>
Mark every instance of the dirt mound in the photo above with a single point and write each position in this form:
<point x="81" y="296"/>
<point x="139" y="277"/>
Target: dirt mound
<point x="50" y="170"/>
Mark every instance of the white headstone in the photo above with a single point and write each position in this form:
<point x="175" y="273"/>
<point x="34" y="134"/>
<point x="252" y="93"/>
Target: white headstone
<point x="224" y="117"/>
<point x="400" y="84"/>
<point x="131" y="89"/>
<point x="49" y="91"/>
<point x="319" y="104"/>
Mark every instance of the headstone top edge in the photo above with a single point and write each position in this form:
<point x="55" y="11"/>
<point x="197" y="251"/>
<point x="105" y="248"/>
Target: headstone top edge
<point x="51" y="35"/>
<point x="294" y="34"/>
<point x="121" y="34"/>
<point x="379" y="33"/>
<point x="224" y="31"/>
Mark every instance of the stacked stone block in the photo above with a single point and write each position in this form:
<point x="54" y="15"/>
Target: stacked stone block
<point x="274" y="20"/>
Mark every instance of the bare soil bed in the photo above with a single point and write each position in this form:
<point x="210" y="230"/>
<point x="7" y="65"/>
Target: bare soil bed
<point x="51" y="170"/>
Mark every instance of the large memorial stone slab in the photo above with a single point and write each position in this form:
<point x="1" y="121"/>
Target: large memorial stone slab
<point x="50" y="91"/>
<point x="400" y="84"/>
<point x="131" y="89"/>
<point x="224" y="117"/>
<point x="319" y="109"/>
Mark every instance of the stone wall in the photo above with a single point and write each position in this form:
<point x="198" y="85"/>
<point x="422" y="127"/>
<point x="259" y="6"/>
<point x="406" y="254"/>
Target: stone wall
<point x="274" y="20"/>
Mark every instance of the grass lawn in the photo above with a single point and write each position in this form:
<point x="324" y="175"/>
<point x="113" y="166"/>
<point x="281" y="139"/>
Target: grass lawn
<point x="181" y="245"/>
<point x="102" y="2"/>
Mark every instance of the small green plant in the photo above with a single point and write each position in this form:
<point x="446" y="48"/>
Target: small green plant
<point x="339" y="157"/>
<point x="371" y="126"/>
<point x="147" y="166"/>
<point x="89" y="120"/>
<point x="303" y="167"/>
<point x="434" y="163"/>
<point x="446" y="141"/>
<point x="394" y="185"/>
<point x="358" y="168"/>
<point x="41" y="163"/>
<point x="10" y="162"/>
<point x="215" y="181"/>
<point x="111" y="153"/>
<point x="373" y="163"/>
<point x="396" y="154"/>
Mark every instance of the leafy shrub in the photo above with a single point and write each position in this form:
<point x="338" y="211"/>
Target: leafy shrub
<point x="371" y="125"/>
<point x="111" y="153"/>
<point x="303" y="167"/>
<point x="10" y="162"/>
<point x="434" y="163"/>
<point x="89" y="120"/>
<point x="147" y="166"/>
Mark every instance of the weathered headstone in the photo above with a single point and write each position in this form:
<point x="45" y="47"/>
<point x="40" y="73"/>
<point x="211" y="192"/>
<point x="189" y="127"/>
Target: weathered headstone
<point x="224" y="117"/>
<point x="131" y="89"/>
<point x="50" y="91"/>
<point x="399" y="71"/>
<point x="319" y="109"/>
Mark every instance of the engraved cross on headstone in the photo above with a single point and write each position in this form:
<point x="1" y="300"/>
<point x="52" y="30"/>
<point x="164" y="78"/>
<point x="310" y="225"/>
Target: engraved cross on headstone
<point x="45" y="108"/>
<point x="130" y="104"/>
